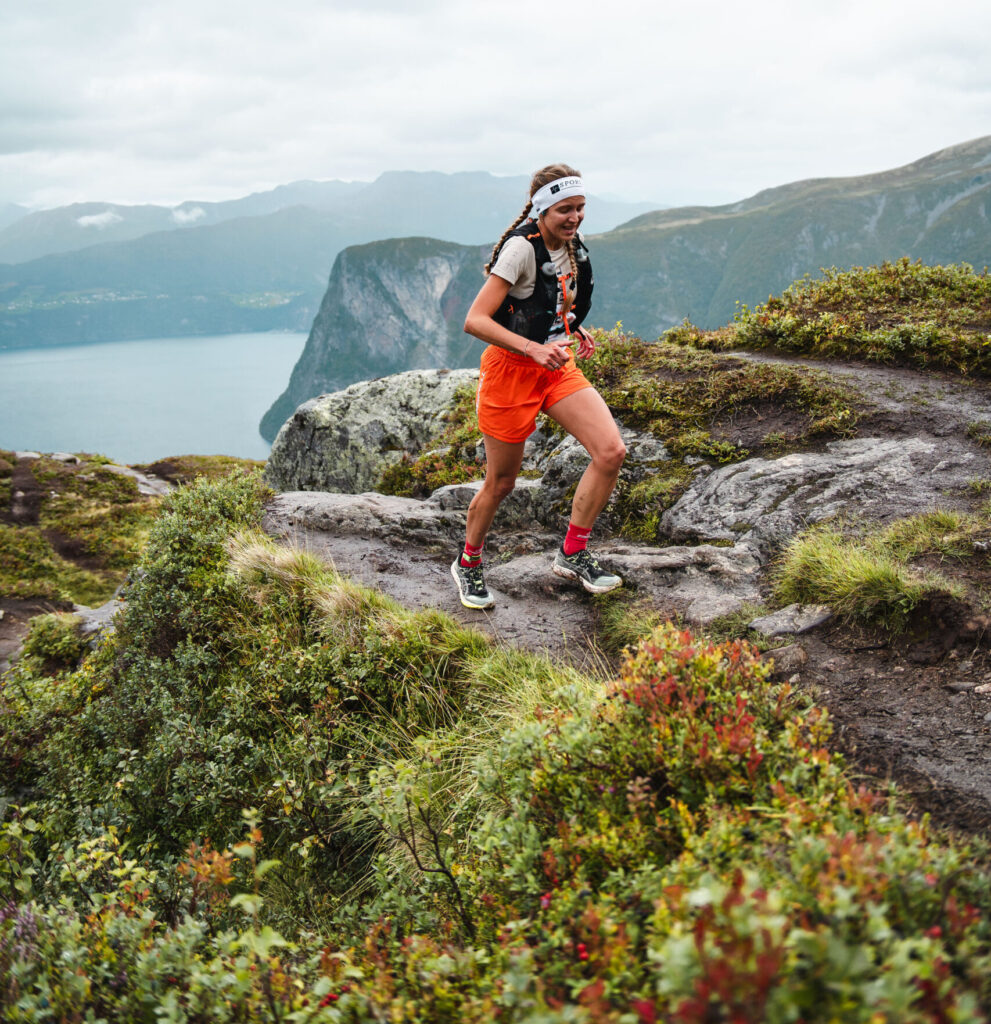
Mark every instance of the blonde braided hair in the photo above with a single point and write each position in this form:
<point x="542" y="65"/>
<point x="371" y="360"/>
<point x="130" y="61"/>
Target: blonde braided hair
<point x="544" y="176"/>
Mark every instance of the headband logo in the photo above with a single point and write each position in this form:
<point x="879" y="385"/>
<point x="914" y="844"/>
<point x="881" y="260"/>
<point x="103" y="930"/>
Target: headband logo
<point x="555" y="188"/>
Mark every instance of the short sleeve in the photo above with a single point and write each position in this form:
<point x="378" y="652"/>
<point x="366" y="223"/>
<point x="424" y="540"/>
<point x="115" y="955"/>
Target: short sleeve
<point x="517" y="265"/>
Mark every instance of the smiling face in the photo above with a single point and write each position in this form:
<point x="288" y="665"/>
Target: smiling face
<point x="561" y="222"/>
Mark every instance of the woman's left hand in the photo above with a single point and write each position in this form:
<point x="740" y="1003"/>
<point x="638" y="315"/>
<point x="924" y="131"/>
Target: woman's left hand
<point x="586" y="344"/>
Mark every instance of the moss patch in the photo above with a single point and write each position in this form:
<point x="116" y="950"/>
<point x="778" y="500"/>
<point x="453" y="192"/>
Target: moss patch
<point x="716" y="407"/>
<point x="80" y="526"/>
<point x="182" y="469"/>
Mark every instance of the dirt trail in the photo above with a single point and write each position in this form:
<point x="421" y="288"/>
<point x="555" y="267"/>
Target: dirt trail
<point x="534" y="609"/>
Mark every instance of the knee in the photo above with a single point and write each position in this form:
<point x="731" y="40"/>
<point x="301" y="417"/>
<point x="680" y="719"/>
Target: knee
<point x="500" y="486"/>
<point x="610" y="458"/>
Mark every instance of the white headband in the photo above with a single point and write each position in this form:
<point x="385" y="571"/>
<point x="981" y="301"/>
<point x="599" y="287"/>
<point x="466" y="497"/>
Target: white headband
<point x="553" y="192"/>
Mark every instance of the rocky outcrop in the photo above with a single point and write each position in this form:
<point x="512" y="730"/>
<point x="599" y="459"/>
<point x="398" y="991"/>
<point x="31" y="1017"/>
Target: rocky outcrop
<point x="357" y="531"/>
<point x="389" y="307"/>
<point x="343" y="441"/>
<point x="766" y="501"/>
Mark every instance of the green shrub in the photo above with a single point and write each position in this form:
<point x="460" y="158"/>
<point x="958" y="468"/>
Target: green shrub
<point x="276" y="794"/>
<point x="53" y="641"/>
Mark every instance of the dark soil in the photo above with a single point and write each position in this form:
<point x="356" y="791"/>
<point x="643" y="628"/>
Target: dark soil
<point x="912" y="713"/>
<point x="25" y="496"/>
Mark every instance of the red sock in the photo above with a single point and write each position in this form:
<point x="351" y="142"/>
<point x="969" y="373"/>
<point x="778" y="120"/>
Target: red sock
<point x="471" y="556"/>
<point x="576" y="539"/>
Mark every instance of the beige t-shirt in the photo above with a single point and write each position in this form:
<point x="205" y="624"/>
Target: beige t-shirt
<point x="517" y="264"/>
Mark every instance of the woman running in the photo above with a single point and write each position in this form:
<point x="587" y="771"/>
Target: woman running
<point x="536" y="294"/>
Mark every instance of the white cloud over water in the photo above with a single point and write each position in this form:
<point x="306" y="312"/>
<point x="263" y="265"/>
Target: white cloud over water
<point x="704" y="103"/>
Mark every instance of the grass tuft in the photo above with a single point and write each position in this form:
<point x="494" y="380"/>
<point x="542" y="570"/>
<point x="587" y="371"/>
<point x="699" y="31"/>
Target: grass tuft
<point x="864" y="578"/>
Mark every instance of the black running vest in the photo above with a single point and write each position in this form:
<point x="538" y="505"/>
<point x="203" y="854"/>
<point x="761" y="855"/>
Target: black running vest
<point x="532" y="317"/>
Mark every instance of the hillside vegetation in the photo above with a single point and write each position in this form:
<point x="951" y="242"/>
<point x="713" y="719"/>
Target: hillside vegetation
<point x="902" y="313"/>
<point x="276" y="794"/>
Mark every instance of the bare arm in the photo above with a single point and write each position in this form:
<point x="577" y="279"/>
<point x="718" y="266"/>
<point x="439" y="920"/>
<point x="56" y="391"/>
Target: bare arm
<point x="480" y="324"/>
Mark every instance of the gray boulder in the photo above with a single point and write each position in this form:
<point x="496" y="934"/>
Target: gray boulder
<point x="766" y="501"/>
<point x="794" y="619"/>
<point x="97" y="622"/>
<point x="343" y="441"/>
<point x="379" y="517"/>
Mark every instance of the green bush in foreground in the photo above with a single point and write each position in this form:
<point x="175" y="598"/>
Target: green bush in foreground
<point x="900" y="313"/>
<point x="277" y="795"/>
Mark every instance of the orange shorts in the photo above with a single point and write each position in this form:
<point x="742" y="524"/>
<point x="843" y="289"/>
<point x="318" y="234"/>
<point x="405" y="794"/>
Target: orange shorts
<point x="512" y="389"/>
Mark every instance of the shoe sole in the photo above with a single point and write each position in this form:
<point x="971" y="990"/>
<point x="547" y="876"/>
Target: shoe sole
<point x="570" y="574"/>
<point x="464" y="600"/>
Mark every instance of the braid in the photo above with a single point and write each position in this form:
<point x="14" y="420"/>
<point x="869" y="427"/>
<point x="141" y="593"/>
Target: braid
<point x="569" y="297"/>
<point x="512" y="227"/>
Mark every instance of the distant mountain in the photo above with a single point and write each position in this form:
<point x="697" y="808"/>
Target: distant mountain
<point x="658" y="268"/>
<point x="69" y="228"/>
<point x="10" y="212"/>
<point x="250" y="264"/>
<point x="700" y="261"/>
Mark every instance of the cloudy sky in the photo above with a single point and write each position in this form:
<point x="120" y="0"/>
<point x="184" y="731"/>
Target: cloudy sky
<point x="700" y="102"/>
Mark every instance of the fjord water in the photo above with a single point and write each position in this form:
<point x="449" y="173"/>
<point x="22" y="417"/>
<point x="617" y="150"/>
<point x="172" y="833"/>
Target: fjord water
<point x="137" y="401"/>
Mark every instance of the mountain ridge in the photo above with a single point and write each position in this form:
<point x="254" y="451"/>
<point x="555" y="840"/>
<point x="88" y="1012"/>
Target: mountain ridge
<point x="244" y="273"/>
<point x="701" y="263"/>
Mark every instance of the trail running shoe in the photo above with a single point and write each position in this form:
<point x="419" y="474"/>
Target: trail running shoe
<point x="581" y="566"/>
<point x="471" y="586"/>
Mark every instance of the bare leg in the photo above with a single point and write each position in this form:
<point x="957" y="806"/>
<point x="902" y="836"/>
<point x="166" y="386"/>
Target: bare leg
<point x="587" y="418"/>
<point x="503" y="461"/>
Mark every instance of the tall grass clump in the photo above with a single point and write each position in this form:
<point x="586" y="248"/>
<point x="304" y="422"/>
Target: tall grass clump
<point x="867" y="577"/>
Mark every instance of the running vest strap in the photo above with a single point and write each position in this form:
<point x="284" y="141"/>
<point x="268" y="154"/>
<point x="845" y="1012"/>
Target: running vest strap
<point x="532" y="317"/>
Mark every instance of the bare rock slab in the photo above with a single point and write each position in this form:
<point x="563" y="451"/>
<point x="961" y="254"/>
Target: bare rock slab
<point x="700" y="583"/>
<point x="795" y="619"/>
<point x="343" y="441"/>
<point x="381" y="517"/>
<point x="767" y="501"/>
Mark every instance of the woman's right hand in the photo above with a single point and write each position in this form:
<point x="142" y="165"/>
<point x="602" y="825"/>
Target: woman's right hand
<point x="551" y="355"/>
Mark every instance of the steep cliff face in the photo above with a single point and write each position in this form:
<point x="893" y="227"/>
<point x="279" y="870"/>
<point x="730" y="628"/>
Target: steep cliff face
<point x="389" y="306"/>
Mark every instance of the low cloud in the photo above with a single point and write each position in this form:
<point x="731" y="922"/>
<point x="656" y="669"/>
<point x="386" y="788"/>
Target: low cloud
<point x="188" y="216"/>
<point x="99" y="220"/>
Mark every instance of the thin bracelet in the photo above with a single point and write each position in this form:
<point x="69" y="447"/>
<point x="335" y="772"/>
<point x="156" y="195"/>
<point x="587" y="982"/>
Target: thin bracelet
<point x="527" y="345"/>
